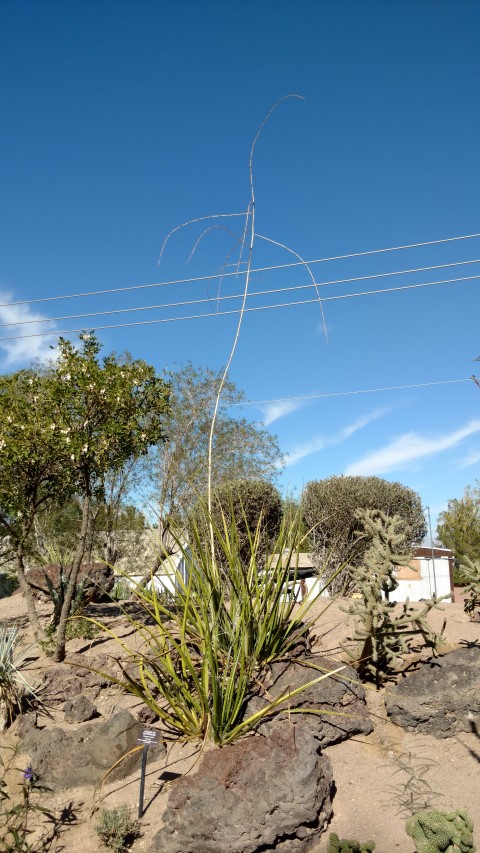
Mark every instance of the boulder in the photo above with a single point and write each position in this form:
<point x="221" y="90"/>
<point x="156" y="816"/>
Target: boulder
<point x="442" y="697"/>
<point x="79" y="710"/>
<point x="64" y="682"/>
<point x="258" y="794"/>
<point x="68" y="759"/>
<point x="98" y="580"/>
<point x="335" y="695"/>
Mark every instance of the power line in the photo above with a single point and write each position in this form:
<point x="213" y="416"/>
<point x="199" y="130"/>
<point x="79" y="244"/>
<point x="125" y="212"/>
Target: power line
<point x="56" y="332"/>
<point x="288" y="289"/>
<point x="350" y="393"/>
<point x="236" y="273"/>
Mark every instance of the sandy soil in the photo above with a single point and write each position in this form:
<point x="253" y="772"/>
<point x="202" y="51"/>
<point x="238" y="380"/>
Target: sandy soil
<point x="370" y="787"/>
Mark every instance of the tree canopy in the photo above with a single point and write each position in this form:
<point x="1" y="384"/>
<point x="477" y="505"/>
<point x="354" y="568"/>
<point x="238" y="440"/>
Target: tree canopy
<point x="241" y="449"/>
<point x="459" y="525"/>
<point x="329" y="508"/>
<point x="244" y="508"/>
<point x="65" y="428"/>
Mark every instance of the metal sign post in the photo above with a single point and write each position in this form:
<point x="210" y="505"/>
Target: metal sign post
<point x="149" y="737"/>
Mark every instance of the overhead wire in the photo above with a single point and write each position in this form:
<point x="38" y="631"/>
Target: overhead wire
<point x="225" y="274"/>
<point x="288" y="289"/>
<point x="251" y="309"/>
<point x="350" y="393"/>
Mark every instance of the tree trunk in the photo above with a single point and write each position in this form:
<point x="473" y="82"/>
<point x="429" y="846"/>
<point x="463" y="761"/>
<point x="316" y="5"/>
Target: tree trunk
<point x="38" y="631"/>
<point x="59" y="655"/>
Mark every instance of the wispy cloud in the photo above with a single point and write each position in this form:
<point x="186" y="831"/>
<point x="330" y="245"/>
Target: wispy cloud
<point x="470" y="459"/>
<point x="22" y="350"/>
<point x="274" y="411"/>
<point x="407" y="448"/>
<point x="319" y="442"/>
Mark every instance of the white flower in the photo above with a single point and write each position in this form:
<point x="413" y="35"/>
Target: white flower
<point x="52" y="426"/>
<point x="102" y="391"/>
<point x="30" y="381"/>
<point x="2" y="444"/>
<point x="67" y="376"/>
<point x="19" y="514"/>
<point x="68" y="439"/>
<point x="85" y="448"/>
<point x="72" y="457"/>
<point x="9" y="419"/>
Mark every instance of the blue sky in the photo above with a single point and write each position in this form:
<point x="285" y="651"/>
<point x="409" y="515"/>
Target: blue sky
<point x="121" y="120"/>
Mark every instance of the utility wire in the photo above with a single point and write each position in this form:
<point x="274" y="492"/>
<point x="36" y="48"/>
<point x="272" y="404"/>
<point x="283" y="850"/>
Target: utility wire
<point x="350" y="393"/>
<point x="236" y="272"/>
<point x="56" y="332"/>
<point x="252" y="293"/>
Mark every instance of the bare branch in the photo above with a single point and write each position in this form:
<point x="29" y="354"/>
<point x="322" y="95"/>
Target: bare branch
<point x="307" y="267"/>
<point x="193" y="222"/>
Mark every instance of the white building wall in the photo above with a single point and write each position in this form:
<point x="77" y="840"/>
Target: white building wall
<point x="166" y="578"/>
<point x="434" y="579"/>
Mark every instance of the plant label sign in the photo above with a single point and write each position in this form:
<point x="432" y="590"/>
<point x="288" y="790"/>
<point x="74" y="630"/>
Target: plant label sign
<point x="149" y="737"/>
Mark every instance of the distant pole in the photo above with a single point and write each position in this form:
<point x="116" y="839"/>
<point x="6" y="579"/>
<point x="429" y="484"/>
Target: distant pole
<point x="433" y="552"/>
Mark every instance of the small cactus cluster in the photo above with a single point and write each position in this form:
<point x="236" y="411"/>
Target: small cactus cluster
<point x="381" y="638"/>
<point x="438" y="832"/>
<point x="347" y="845"/>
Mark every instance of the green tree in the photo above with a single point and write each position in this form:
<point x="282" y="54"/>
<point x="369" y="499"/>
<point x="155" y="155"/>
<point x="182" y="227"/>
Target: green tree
<point x="33" y="472"/>
<point x="459" y="527"/>
<point x="241" y="450"/>
<point x="91" y="417"/>
<point x="329" y="509"/>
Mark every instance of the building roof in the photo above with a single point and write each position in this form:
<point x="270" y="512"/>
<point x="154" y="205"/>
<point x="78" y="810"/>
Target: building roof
<point x="303" y="560"/>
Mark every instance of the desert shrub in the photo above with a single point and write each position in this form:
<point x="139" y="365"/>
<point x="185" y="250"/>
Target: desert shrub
<point x="81" y="628"/>
<point x="412" y="792"/>
<point x="329" y="508"/>
<point x="122" y="590"/>
<point x="117" y="828"/>
<point x="247" y="506"/>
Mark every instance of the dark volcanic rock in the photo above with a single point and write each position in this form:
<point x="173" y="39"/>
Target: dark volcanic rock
<point x="259" y="794"/>
<point x="64" y="682"/>
<point x="79" y="710"/>
<point x="97" y="578"/>
<point x="69" y="759"/>
<point x="442" y="697"/>
<point x="332" y="694"/>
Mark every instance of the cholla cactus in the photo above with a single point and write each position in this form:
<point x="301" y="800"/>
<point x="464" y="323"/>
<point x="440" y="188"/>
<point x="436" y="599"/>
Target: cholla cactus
<point x="381" y="638"/>
<point x="346" y="845"/>
<point x="439" y="832"/>
<point x="471" y="571"/>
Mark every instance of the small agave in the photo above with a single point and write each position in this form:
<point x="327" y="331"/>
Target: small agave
<point x="13" y="684"/>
